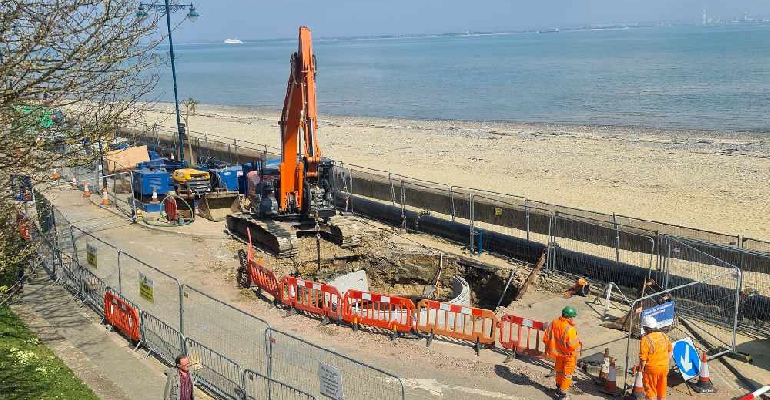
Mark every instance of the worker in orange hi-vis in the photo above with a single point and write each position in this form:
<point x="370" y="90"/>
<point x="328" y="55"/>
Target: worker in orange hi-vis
<point x="562" y="343"/>
<point x="654" y="352"/>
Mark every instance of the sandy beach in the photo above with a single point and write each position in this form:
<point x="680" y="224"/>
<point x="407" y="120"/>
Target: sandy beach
<point x="715" y="181"/>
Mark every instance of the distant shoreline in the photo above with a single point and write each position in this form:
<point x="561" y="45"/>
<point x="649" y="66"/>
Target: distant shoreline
<point x="503" y="124"/>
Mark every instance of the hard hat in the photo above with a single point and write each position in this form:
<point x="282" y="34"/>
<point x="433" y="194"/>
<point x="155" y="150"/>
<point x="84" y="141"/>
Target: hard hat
<point x="649" y="322"/>
<point x="569" y="312"/>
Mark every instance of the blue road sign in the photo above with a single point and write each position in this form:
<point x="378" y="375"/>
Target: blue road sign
<point x="686" y="358"/>
<point x="663" y="314"/>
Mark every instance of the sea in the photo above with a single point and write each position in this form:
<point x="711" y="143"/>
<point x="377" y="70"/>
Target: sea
<point x="670" y="77"/>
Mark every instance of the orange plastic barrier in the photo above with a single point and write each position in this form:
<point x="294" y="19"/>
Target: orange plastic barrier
<point x="121" y="315"/>
<point x="262" y="276"/>
<point x="313" y="297"/>
<point x="23" y="224"/>
<point x="459" y="322"/>
<point x="522" y="335"/>
<point x="378" y="310"/>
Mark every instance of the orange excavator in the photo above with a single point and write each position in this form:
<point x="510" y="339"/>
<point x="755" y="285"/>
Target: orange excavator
<point x="295" y="196"/>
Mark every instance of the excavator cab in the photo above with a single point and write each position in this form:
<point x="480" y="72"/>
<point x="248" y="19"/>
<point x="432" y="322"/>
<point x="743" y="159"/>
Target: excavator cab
<point x="319" y="196"/>
<point x="262" y="185"/>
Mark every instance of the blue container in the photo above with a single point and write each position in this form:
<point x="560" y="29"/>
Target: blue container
<point x="226" y="178"/>
<point x="153" y="155"/>
<point x="146" y="179"/>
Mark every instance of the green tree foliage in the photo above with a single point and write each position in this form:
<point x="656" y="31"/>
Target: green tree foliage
<point x="71" y="73"/>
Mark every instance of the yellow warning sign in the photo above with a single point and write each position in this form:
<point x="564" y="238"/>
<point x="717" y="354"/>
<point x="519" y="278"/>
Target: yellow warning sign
<point x="498" y="211"/>
<point x="91" y="252"/>
<point x="146" y="290"/>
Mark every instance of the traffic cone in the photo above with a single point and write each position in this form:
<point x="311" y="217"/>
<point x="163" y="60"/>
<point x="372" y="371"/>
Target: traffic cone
<point x="154" y="199"/>
<point x="605" y="370"/>
<point x="704" y="384"/>
<point x="55" y="175"/>
<point x="638" y="391"/>
<point x="74" y="183"/>
<point x="611" y="386"/>
<point x="105" y="198"/>
<point x="86" y="192"/>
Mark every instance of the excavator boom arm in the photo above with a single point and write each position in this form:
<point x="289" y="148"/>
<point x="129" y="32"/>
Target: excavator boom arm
<point x="300" y="153"/>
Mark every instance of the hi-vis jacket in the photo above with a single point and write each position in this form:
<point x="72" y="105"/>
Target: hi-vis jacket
<point x="560" y="338"/>
<point x="655" y="351"/>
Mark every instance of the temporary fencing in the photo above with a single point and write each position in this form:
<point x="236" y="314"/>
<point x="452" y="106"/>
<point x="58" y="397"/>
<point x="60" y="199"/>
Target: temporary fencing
<point x="151" y="289"/>
<point x="236" y="352"/>
<point x="300" y="362"/>
<point x="214" y="371"/>
<point x="711" y="298"/>
<point x="602" y="251"/>
<point x="160" y="338"/>
<point x="235" y="333"/>
<point x="313" y="297"/>
<point x="122" y="315"/>
<point x="522" y="335"/>
<point x="378" y="310"/>
<point x="257" y="387"/>
<point x="716" y="295"/>
<point x="99" y="257"/>
<point x="475" y="325"/>
<point x="120" y="191"/>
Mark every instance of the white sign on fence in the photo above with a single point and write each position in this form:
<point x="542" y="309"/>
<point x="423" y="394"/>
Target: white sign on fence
<point x="331" y="381"/>
<point x="91" y="253"/>
<point x="146" y="291"/>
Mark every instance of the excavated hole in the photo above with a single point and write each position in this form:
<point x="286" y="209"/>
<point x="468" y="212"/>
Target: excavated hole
<point x="404" y="271"/>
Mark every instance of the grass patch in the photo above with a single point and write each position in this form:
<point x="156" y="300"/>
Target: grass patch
<point x="29" y="370"/>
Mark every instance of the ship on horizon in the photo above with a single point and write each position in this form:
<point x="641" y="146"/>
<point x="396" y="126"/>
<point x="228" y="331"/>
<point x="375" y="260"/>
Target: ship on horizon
<point x="233" y="41"/>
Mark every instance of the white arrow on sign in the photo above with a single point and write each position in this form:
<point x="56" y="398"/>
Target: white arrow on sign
<point x="686" y="363"/>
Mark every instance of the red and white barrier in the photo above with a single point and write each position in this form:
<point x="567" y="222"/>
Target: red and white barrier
<point x="522" y="335"/>
<point x="473" y="324"/>
<point x="313" y="297"/>
<point x="756" y="393"/>
<point x="378" y="310"/>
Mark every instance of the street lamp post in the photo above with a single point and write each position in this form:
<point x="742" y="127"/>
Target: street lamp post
<point x="193" y="15"/>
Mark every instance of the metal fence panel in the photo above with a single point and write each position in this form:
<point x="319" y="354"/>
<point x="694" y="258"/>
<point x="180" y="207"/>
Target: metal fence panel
<point x="715" y="296"/>
<point x="704" y="291"/>
<point x="161" y="339"/>
<point x="757" y="245"/>
<point x="297" y="361"/>
<point x="586" y="247"/>
<point x="679" y="231"/>
<point x="63" y="234"/>
<point x="93" y="289"/>
<point x="236" y="333"/>
<point x="259" y="387"/>
<point x="755" y="292"/>
<point x="151" y="289"/>
<point x="214" y="371"/>
<point x="119" y="191"/>
<point x="103" y="263"/>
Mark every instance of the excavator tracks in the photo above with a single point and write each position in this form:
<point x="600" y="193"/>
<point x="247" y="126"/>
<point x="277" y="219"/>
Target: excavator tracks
<point x="347" y="231"/>
<point x="275" y="236"/>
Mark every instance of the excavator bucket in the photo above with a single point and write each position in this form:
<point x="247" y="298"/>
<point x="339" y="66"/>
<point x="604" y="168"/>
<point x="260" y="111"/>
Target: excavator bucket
<point x="216" y="206"/>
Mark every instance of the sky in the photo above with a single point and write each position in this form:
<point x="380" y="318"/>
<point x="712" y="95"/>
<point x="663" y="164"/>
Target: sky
<point x="260" y="19"/>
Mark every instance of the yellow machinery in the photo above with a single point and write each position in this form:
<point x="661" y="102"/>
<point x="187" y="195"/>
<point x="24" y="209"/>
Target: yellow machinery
<point x="191" y="182"/>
